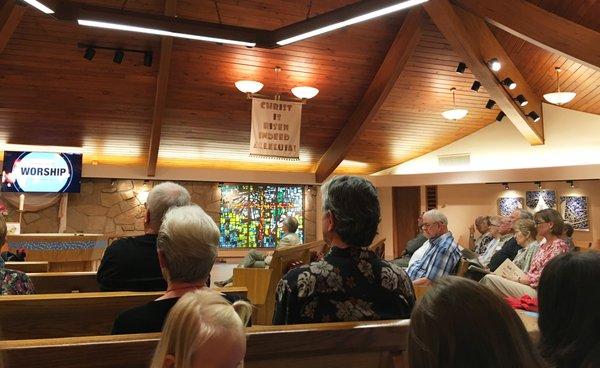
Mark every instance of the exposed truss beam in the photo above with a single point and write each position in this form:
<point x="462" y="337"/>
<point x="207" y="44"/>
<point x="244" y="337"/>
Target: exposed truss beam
<point x="10" y="16"/>
<point x="540" y="27"/>
<point x="160" y="100"/>
<point x="401" y="49"/>
<point x="464" y="39"/>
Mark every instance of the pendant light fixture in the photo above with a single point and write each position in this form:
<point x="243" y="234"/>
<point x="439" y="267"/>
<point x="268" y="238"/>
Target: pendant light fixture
<point x="559" y="98"/>
<point x="454" y="114"/>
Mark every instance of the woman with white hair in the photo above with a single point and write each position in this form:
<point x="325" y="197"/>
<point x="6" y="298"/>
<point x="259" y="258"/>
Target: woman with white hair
<point x="203" y="330"/>
<point x="187" y="248"/>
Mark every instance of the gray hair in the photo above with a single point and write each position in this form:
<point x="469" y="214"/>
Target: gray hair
<point x="164" y="196"/>
<point x="291" y="224"/>
<point x="436" y="216"/>
<point x="525" y="215"/>
<point x="353" y="203"/>
<point x="189" y="239"/>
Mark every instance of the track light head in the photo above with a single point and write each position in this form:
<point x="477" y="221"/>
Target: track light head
<point x="119" y="55"/>
<point x="538" y="184"/>
<point x="571" y="183"/>
<point x="522" y="100"/>
<point x="509" y="83"/>
<point x="89" y="53"/>
<point x="490" y="104"/>
<point x="475" y="86"/>
<point x="461" y="67"/>
<point x="506" y="186"/>
<point x="500" y="116"/>
<point x="148" y="58"/>
<point x="494" y="64"/>
<point x="534" y="116"/>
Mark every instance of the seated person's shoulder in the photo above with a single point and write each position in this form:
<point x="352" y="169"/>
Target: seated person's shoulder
<point x="146" y="318"/>
<point x="15" y="282"/>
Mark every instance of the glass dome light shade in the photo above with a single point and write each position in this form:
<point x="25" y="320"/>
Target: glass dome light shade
<point x="248" y="86"/>
<point x="305" y="92"/>
<point x="455" y="114"/>
<point x="559" y="98"/>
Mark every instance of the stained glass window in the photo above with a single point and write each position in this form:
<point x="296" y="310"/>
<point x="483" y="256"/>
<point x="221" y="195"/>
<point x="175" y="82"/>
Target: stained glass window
<point x="251" y="214"/>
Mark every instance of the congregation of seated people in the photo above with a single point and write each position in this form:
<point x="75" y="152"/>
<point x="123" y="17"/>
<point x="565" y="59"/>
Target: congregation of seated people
<point x="458" y="322"/>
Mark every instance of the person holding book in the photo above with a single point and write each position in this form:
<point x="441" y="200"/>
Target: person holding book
<point x="549" y="225"/>
<point x="525" y="234"/>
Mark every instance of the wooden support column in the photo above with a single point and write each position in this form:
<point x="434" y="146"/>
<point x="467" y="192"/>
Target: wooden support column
<point x="10" y="16"/>
<point x="402" y="48"/>
<point x="160" y="101"/>
<point x="464" y="39"/>
<point x="540" y="27"/>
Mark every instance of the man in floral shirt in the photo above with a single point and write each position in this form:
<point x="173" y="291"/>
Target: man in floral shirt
<point x="351" y="283"/>
<point x="12" y="282"/>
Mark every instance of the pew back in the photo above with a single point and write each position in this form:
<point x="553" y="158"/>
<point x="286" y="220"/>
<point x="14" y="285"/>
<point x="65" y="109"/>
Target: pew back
<point x="333" y="345"/>
<point x="28" y="267"/>
<point x="64" y="282"/>
<point x="72" y="314"/>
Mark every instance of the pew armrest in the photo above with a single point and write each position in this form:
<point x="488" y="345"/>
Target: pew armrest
<point x="256" y="280"/>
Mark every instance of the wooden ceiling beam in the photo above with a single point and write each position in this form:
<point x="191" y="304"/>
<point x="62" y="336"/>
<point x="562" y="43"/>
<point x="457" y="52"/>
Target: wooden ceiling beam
<point x="541" y="28"/>
<point x="396" y="58"/>
<point x="10" y="16"/>
<point x="160" y="100"/>
<point x="463" y="34"/>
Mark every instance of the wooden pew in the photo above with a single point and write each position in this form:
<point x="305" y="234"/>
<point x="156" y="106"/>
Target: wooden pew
<point x="64" y="282"/>
<point x="332" y="345"/>
<point x="28" y="267"/>
<point x="378" y="247"/>
<point x="262" y="282"/>
<point x="71" y="314"/>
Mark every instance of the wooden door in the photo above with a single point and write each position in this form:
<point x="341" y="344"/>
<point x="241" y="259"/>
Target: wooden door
<point x="407" y="207"/>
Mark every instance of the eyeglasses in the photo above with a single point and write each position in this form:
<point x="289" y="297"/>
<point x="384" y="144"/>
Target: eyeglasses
<point x="427" y="225"/>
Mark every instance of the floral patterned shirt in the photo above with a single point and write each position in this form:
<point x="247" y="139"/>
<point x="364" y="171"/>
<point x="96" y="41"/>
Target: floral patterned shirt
<point x="351" y="284"/>
<point x="546" y="252"/>
<point x="14" y="282"/>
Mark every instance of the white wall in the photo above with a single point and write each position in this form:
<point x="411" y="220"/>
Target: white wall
<point x="571" y="138"/>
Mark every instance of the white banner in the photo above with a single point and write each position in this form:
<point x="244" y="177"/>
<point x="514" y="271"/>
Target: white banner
<point x="275" y="128"/>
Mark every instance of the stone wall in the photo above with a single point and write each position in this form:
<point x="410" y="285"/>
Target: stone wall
<point x="116" y="208"/>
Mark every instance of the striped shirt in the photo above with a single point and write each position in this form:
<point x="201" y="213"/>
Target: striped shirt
<point x="440" y="259"/>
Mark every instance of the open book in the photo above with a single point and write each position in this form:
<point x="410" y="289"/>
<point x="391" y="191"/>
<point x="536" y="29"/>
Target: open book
<point x="509" y="270"/>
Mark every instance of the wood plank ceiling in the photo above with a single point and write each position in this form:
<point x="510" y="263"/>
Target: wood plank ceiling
<point x="50" y="95"/>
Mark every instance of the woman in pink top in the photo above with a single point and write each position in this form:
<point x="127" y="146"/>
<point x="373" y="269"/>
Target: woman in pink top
<point x="549" y="225"/>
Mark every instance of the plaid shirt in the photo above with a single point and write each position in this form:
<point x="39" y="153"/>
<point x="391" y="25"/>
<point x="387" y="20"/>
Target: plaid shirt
<point x="439" y="260"/>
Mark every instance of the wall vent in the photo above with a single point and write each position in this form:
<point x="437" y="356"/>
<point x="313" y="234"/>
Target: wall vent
<point x="463" y="159"/>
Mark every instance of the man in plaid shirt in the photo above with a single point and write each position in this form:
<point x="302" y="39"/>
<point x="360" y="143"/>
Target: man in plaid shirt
<point x="443" y="254"/>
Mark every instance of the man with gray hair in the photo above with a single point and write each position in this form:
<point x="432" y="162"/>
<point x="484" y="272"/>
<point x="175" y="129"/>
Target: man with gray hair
<point x="131" y="263"/>
<point x="187" y="245"/>
<point x="351" y="283"/>
<point x="443" y="254"/>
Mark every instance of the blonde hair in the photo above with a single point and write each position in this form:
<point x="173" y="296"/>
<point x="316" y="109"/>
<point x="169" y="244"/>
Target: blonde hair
<point x="198" y="316"/>
<point x="189" y="239"/>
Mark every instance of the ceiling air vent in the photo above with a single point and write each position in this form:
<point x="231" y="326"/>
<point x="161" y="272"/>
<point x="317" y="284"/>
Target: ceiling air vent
<point x="454" y="160"/>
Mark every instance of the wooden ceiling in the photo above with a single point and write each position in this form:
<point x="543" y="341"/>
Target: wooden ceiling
<point x="50" y="95"/>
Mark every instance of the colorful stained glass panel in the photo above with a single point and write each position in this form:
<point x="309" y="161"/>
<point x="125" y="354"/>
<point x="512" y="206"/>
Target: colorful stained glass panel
<point x="251" y="214"/>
